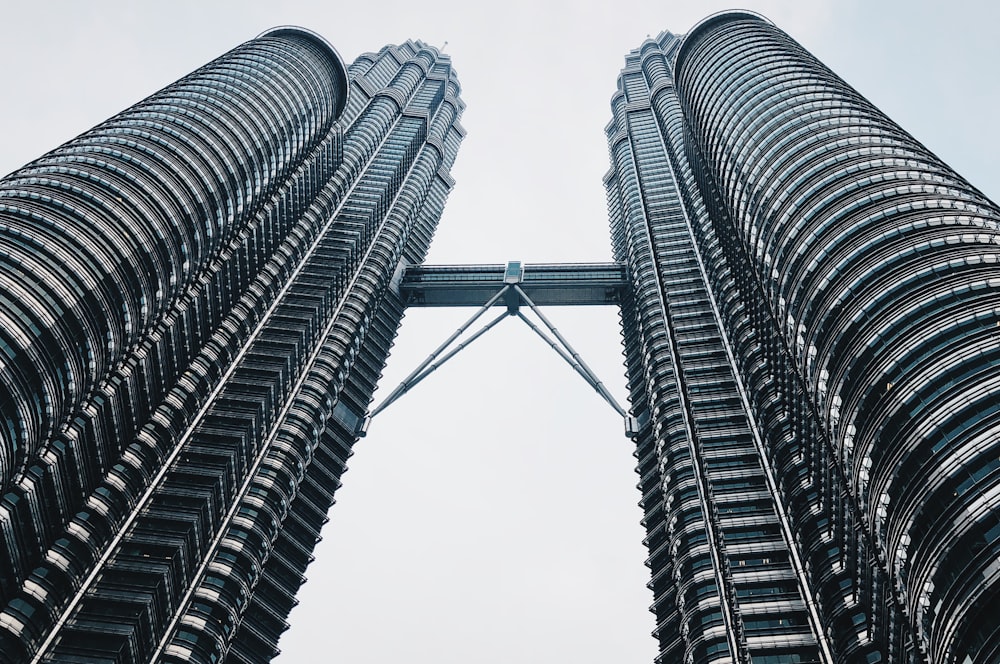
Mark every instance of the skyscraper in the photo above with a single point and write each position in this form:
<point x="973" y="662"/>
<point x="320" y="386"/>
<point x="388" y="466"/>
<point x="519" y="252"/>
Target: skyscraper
<point x="195" y="308"/>
<point x="813" y="357"/>
<point x="199" y="294"/>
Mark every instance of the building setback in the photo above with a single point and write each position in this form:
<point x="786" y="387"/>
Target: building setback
<point x="197" y="298"/>
<point x="194" y="309"/>
<point x="813" y="344"/>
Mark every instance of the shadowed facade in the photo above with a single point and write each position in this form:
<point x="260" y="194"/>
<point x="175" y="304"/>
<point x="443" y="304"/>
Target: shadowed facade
<point x="813" y="347"/>
<point x="197" y="298"/>
<point x="196" y="307"/>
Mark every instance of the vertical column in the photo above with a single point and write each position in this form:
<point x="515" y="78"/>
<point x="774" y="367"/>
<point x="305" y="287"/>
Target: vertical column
<point x="872" y="264"/>
<point x="192" y="545"/>
<point x="728" y="581"/>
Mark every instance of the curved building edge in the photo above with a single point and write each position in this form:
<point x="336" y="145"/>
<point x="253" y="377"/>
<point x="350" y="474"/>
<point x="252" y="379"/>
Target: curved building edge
<point x="340" y="66"/>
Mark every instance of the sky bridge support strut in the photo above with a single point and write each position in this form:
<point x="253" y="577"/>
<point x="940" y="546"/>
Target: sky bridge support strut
<point x="566" y="284"/>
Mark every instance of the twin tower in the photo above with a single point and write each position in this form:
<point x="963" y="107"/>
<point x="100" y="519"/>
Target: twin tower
<point x="198" y="295"/>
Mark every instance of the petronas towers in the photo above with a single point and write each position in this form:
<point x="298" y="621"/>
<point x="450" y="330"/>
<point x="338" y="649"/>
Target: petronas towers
<point x="197" y="298"/>
<point x="197" y="307"/>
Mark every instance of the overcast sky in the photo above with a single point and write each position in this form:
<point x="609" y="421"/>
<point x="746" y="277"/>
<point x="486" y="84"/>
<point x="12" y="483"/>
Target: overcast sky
<point x="490" y="514"/>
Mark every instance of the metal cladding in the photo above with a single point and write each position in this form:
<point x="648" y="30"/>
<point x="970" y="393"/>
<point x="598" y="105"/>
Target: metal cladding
<point x="573" y="284"/>
<point x="855" y="278"/>
<point x="195" y="310"/>
<point x="728" y="583"/>
<point x="104" y="235"/>
<point x="197" y="298"/>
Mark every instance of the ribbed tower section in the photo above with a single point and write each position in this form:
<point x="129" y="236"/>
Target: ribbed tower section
<point x="196" y="300"/>
<point x="729" y="583"/>
<point x="866" y="323"/>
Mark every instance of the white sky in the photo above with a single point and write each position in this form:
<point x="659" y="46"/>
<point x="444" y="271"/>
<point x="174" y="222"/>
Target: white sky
<point x="490" y="515"/>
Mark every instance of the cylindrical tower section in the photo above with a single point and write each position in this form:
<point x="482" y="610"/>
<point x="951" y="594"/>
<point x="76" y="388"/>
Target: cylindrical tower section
<point x="100" y="237"/>
<point x="879" y="264"/>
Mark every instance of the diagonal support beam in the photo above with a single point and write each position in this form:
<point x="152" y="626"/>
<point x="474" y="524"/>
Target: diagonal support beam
<point x="568" y="353"/>
<point x="591" y="380"/>
<point x="429" y="365"/>
<point x="454" y="351"/>
<point x="411" y="381"/>
<point x="513" y="296"/>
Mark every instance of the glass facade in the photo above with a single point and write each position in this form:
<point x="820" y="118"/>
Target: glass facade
<point x="579" y="284"/>
<point x="728" y="581"/>
<point x="198" y="295"/>
<point x="196" y="305"/>
<point x="812" y="350"/>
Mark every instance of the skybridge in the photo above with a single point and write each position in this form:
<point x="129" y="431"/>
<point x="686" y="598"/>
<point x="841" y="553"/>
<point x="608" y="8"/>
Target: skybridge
<point x="547" y="284"/>
<point x="515" y="286"/>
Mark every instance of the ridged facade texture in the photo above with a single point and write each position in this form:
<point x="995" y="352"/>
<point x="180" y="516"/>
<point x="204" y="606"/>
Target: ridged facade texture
<point x="815" y="295"/>
<point x="728" y="583"/>
<point x="196" y="301"/>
